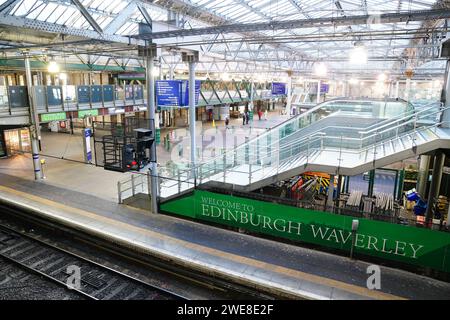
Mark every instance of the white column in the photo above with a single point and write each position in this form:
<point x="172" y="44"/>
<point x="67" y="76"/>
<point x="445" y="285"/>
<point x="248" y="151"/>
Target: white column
<point x="252" y="93"/>
<point x="289" y="95"/>
<point x="34" y="120"/>
<point x="397" y="87"/>
<point x="407" y="89"/>
<point x="446" y="96"/>
<point x="192" y="113"/>
<point x="318" y="91"/>
<point x="151" y="109"/>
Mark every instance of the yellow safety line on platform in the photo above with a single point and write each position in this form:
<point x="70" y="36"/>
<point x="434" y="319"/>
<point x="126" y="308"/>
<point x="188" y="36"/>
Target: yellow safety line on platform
<point x="218" y="253"/>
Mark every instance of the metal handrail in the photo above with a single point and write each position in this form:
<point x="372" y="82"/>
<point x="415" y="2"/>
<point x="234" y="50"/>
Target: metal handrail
<point x="405" y="117"/>
<point x="387" y="121"/>
<point x="412" y="118"/>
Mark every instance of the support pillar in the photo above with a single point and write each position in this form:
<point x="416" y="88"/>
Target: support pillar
<point x="422" y="175"/>
<point x="330" y="202"/>
<point x="339" y="184"/>
<point x="318" y="91"/>
<point x="407" y="88"/>
<point x="445" y="98"/>
<point x="289" y="94"/>
<point x="192" y="59"/>
<point x="371" y="182"/>
<point x="397" y="89"/>
<point x="150" y="54"/>
<point x="34" y="121"/>
<point x="192" y="113"/>
<point x="433" y="195"/>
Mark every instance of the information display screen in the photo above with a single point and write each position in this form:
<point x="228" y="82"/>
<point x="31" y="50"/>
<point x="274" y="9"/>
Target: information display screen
<point x="168" y="93"/>
<point x="185" y="92"/>
<point x="175" y="93"/>
<point x="279" y="88"/>
<point x="324" y="87"/>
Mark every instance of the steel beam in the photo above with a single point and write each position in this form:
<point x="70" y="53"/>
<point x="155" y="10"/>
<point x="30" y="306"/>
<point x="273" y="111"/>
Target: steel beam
<point x="87" y="16"/>
<point x="25" y="23"/>
<point x="304" y="23"/>
<point x="8" y="5"/>
<point x="121" y="18"/>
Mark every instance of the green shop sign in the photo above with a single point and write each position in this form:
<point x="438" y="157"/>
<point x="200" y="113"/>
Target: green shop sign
<point x="405" y="244"/>
<point x="57" y="116"/>
<point x="87" y="113"/>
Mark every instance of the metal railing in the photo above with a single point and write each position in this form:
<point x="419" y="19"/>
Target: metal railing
<point x="262" y="157"/>
<point x="135" y="184"/>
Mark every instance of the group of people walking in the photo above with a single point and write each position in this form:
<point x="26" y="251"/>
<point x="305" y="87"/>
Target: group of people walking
<point x="246" y="117"/>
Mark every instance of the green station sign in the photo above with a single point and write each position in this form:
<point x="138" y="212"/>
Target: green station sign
<point x="87" y="113"/>
<point x="57" y="116"/>
<point x="406" y="244"/>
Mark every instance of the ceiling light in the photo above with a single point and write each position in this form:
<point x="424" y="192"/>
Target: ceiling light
<point x="53" y="67"/>
<point x="225" y="76"/>
<point x="382" y="77"/>
<point x="320" y="69"/>
<point x="353" y="81"/>
<point x="358" y="55"/>
<point x="155" y="72"/>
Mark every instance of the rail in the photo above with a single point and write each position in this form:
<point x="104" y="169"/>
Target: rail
<point x="136" y="183"/>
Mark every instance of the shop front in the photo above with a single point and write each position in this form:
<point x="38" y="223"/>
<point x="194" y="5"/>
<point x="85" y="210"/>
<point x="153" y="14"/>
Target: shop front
<point x="14" y="141"/>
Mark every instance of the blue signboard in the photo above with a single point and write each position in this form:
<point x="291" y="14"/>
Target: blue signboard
<point x="279" y="88"/>
<point x="87" y="145"/>
<point x="108" y="93"/>
<point x="185" y="92"/>
<point x="84" y="94"/>
<point x="168" y="93"/>
<point x="324" y="87"/>
<point x="96" y="94"/>
<point x="175" y="93"/>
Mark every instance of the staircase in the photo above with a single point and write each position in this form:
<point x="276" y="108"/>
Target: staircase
<point x="309" y="143"/>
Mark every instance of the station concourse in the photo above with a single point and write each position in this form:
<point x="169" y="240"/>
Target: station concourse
<point x="289" y="151"/>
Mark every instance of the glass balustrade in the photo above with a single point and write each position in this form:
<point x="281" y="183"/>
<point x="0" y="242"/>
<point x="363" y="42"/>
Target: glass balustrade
<point x="271" y="150"/>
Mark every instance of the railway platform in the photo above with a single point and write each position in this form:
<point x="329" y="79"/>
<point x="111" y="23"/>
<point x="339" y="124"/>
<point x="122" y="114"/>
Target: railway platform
<point x="270" y="266"/>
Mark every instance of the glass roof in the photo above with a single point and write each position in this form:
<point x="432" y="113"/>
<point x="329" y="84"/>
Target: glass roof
<point x="315" y="43"/>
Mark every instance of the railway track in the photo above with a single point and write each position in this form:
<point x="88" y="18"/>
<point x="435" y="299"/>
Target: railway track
<point x="60" y="266"/>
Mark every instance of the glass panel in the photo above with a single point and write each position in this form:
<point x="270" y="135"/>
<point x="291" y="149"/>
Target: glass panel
<point x="384" y="181"/>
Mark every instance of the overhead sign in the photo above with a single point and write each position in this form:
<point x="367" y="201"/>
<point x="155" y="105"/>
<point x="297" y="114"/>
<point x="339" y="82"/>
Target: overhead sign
<point x="185" y="92"/>
<point x="279" y="88"/>
<point x="57" y="116"/>
<point x="324" y="87"/>
<point x="168" y="93"/>
<point x="132" y="76"/>
<point x="175" y="93"/>
<point x="116" y="110"/>
<point x="87" y="113"/>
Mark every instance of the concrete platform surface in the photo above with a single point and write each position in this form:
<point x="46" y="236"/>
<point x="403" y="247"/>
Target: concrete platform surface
<point x="287" y="269"/>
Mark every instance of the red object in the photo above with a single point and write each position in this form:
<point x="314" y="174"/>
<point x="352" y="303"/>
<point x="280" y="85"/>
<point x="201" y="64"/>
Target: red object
<point x="133" y="163"/>
<point x="62" y="124"/>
